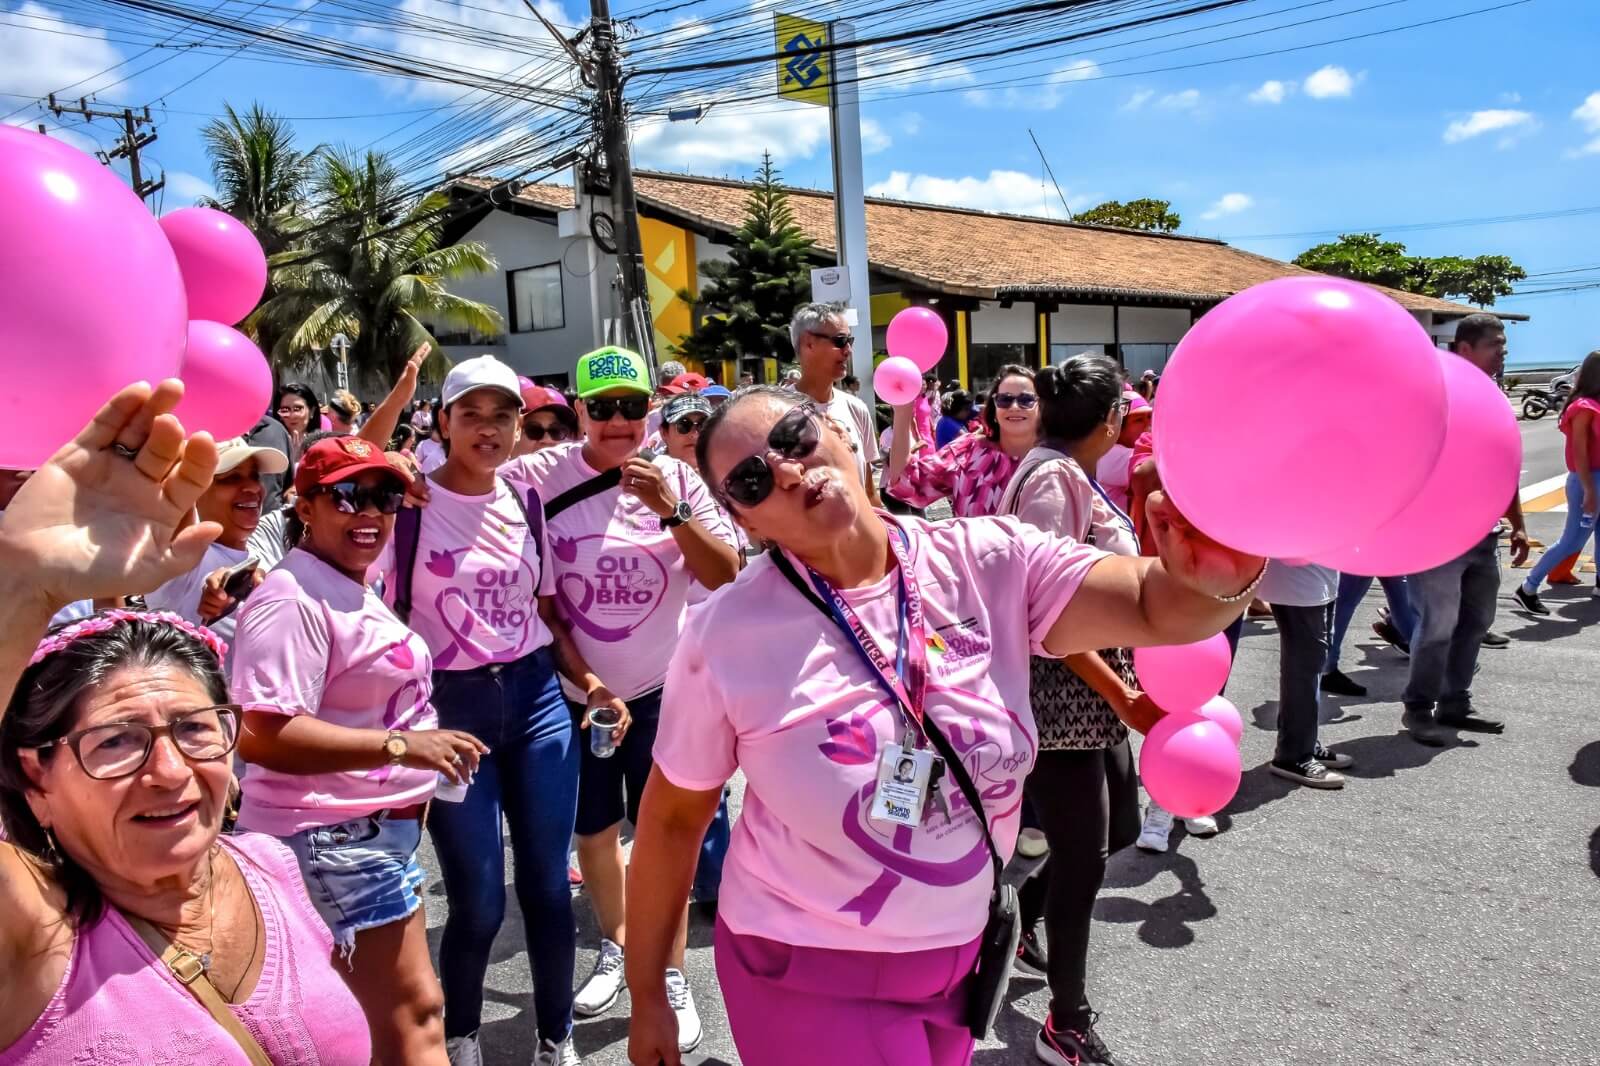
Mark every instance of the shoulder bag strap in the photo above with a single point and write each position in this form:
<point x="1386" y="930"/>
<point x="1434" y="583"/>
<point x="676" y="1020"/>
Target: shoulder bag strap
<point x="582" y="491"/>
<point x="185" y="966"/>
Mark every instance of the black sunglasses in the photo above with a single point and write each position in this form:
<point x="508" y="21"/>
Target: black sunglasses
<point x="119" y="749"/>
<point x="838" y="340"/>
<point x="688" y="424"/>
<point x="352" y="498"/>
<point x="536" y="431"/>
<point x="794" y="436"/>
<point x="1025" y="400"/>
<point x="603" y="408"/>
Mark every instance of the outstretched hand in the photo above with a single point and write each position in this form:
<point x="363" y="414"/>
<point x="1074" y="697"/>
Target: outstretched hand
<point x="112" y="513"/>
<point x="1194" y="558"/>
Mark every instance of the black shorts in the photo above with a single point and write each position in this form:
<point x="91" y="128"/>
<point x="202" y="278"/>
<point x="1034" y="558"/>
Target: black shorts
<point x="610" y="789"/>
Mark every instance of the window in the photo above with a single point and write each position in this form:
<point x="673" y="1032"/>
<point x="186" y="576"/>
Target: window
<point x="985" y="360"/>
<point x="535" y="295"/>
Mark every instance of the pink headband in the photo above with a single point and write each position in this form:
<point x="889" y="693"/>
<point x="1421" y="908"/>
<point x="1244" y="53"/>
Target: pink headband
<point x="105" y="621"/>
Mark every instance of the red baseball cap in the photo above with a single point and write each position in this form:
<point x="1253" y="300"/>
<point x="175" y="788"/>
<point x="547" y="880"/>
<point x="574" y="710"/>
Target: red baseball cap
<point x="691" y="382"/>
<point x="536" y="396"/>
<point x="337" y="458"/>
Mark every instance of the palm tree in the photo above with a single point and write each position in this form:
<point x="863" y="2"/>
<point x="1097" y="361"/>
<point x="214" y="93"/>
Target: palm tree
<point x="370" y="267"/>
<point x="259" y="175"/>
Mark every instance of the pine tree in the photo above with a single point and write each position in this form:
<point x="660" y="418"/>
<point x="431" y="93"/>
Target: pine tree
<point x="745" y="306"/>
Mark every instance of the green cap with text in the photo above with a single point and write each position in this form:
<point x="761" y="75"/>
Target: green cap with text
<point x="612" y="368"/>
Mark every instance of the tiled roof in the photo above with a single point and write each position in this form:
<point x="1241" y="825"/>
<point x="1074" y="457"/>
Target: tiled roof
<point x="984" y="255"/>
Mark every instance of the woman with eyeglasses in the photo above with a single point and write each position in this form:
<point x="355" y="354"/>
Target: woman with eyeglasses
<point x="850" y="919"/>
<point x="972" y="471"/>
<point x="629" y="533"/>
<point x="115" y="742"/>
<point x="340" y="740"/>
<point x="547" y="420"/>
<point x="299" y="410"/>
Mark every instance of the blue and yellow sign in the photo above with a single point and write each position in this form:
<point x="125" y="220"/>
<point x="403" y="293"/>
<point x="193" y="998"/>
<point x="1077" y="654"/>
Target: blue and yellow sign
<point x="803" y="72"/>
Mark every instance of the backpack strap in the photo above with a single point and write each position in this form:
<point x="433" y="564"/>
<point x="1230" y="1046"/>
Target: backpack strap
<point x="533" y="514"/>
<point x="582" y="491"/>
<point x="407" y="533"/>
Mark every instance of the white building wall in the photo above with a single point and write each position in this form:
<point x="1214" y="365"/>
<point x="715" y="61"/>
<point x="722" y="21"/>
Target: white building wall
<point x="993" y="324"/>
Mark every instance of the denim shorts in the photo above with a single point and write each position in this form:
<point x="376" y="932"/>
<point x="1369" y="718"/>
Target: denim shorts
<point x="361" y="874"/>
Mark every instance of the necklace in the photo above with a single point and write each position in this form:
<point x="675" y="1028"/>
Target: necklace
<point x="211" y="921"/>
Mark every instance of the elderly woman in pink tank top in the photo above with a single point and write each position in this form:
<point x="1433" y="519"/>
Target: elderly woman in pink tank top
<point x="115" y="774"/>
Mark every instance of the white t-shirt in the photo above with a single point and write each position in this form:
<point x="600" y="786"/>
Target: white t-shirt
<point x="1298" y="586"/>
<point x="182" y="594"/>
<point x="266" y="543"/>
<point x="851" y="412"/>
<point x="430" y="455"/>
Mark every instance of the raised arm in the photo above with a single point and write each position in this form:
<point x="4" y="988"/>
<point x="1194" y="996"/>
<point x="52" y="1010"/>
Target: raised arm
<point x="379" y="429"/>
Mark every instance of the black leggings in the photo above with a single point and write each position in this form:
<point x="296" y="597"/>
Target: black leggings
<point x="1088" y="806"/>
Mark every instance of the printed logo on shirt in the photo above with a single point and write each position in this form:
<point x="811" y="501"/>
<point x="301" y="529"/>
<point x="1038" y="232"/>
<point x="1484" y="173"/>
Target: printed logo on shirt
<point x="409" y="701"/>
<point x="487" y="611"/>
<point x="960" y="643"/>
<point x="607" y="588"/>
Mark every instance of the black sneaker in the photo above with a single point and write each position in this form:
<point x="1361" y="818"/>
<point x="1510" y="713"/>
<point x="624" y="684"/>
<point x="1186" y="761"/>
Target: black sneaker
<point x="1333" y="760"/>
<point x="1470" y="721"/>
<point x="1420" y="725"/>
<point x="1497" y="641"/>
<point x="1529" y="601"/>
<point x="1390" y="635"/>
<point x="1074" y="1044"/>
<point x="1337" y="683"/>
<point x="1308" y="772"/>
<point x="1031" y="958"/>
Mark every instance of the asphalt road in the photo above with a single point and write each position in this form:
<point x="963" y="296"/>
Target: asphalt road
<point x="1543" y="450"/>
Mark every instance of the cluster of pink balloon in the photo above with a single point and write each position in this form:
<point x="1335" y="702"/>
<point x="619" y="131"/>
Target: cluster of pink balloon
<point x="95" y="294"/>
<point x="1313" y="419"/>
<point x="1190" y="760"/>
<point x="917" y="339"/>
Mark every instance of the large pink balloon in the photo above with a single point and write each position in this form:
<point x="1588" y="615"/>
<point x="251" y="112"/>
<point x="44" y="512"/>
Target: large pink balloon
<point x="1221" y="711"/>
<point x="227" y="383"/>
<point x="919" y="334"/>
<point x="90" y="296"/>
<point x="1182" y="677"/>
<point x="1473" y="481"/>
<point x="224" y="268"/>
<point x="1189" y="766"/>
<point x="897" y="381"/>
<point x="1298" y="416"/>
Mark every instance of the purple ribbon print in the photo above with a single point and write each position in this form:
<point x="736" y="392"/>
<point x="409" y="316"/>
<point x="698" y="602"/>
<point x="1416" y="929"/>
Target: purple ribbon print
<point x="609" y="588"/>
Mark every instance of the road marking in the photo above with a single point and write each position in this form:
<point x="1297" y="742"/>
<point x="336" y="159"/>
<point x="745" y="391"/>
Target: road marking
<point x="1547" y="495"/>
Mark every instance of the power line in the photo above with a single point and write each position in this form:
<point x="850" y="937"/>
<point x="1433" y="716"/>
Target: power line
<point x="1413" y="227"/>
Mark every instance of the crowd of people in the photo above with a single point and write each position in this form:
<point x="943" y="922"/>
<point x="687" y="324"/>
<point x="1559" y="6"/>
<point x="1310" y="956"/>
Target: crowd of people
<point x="242" y="679"/>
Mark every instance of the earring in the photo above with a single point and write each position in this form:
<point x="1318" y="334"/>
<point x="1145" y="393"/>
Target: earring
<point x="52" y="848"/>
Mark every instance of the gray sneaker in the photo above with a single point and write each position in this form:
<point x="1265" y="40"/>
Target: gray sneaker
<point x="551" y="1053"/>
<point x="464" y="1050"/>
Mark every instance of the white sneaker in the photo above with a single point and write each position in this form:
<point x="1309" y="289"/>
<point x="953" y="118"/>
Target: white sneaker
<point x="551" y="1053"/>
<point x="1031" y="844"/>
<point x="681" y="1000"/>
<point x="1157" y="827"/>
<point x="1203" y="826"/>
<point x="464" y="1051"/>
<point x="599" y="993"/>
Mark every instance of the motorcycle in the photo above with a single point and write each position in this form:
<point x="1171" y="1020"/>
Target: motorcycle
<point x="1540" y="402"/>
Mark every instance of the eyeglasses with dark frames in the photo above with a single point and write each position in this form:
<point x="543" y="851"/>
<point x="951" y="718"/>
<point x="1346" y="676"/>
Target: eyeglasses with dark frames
<point x="794" y="436"/>
<point x="604" y="408"/>
<point x="1025" y="400"/>
<point x="350" y="497"/>
<point x="689" y="424"/>
<point x="119" y="749"/>
<point x="838" y="340"/>
<point x="536" y="431"/>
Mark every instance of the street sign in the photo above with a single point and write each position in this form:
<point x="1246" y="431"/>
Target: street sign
<point x="341" y="348"/>
<point x="803" y="72"/>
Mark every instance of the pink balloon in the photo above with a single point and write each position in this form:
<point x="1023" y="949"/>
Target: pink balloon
<point x="227" y="383"/>
<point x="1473" y="481"/>
<point x="1222" y="712"/>
<point x="1299" y="415"/>
<point x="326" y="424"/>
<point x="1182" y="677"/>
<point x="897" y="381"/>
<point x="919" y="334"/>
<point x="224" y="268"/>
<point x="90" y="295"/>
<point x="1190" y="767"/>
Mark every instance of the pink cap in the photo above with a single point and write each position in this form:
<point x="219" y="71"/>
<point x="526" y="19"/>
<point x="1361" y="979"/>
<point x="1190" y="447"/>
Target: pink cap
<point x="1136" y="403"/>
<point x="537" y="396"/>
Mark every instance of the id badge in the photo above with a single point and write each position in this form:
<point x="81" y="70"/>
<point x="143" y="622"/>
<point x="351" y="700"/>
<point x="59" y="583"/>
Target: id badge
<point x="903" y="779"/>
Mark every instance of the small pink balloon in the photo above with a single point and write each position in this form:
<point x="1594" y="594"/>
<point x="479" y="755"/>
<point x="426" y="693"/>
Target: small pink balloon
<point x="1312" y="365"/>
<point x="227" y="383"/>
<point x="918" y="334"/>
<point x="1182" y="677"/>
<point x="1463" y="499"/>
<point x="1189" y="766"/>
<point x="224" y="268"/>
<point x="897" y="381"/>
<point x="1220" y="710"/>
<point x="90" y="295"/>
<point x="326" y="425"/>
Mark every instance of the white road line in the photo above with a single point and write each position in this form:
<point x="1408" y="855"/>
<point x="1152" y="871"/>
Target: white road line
<point x="1540" y="488"/>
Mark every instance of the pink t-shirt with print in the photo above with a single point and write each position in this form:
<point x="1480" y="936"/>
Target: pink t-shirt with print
<point x="312" y="641"/>
<point x="762" y="682"/>
<point x="477" y="578"/>
<point x="620" y="578"/>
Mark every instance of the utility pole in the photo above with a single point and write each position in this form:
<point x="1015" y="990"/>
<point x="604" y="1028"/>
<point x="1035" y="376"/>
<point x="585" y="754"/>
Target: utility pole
<point x="129" y="144"/>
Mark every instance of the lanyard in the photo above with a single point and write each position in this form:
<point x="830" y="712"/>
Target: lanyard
<point x="1120" y="513"/>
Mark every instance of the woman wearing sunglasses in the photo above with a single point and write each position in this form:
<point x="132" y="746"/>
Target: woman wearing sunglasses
<point x="115" y="742"/>
<point x="340" y="741"/>
<point x="629" y="533"/>
<point x="849" y="921"/>
<point x="547" y="420"/>
<point x="972" y="471"/>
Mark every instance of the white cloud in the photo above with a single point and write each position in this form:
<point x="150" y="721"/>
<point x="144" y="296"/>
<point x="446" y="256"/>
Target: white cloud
<point x="788" y="130"/>
<point x="1138" y="99"/>
<point x="529" y="46"/>
<point x="1184" y="100"/>
<point x="1007" y="191"/>
<point x="65" y="135"/>
<point x="1230" y="204"/>
<point x="1329" y="82"/>
<point x="1510" y="98"/>
<point x="1272" y="92"/>
<point x="874" y="138"/>
<point x="1587" y="114"/>
<point x="911" y="123"/>
<point x="1512" y="123"/>
<point x="41" y="52"/>
<point x="1045" y="96"/>
<point x="183" y="189"/>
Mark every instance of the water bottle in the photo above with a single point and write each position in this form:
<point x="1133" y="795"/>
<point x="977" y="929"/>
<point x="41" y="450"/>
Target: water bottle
<point x="603" y="722"/>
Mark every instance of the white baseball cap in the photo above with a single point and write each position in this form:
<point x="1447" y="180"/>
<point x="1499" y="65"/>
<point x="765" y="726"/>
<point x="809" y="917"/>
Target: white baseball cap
<point x="234" y="453"/>
<point x="480" y="372"/>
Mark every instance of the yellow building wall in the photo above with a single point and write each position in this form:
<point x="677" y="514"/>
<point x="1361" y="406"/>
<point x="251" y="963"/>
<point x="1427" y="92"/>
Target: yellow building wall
<point x="670" y="267"/>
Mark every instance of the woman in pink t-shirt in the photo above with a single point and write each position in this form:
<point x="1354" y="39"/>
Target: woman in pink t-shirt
<point x="848" y="924"/>
<point x="115" y="737"/>
<point x="340" y="740"/>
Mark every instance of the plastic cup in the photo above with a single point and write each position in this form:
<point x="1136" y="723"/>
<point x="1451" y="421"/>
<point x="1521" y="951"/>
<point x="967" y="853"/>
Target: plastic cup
<point x="449" y="791"/>
<point x="603" y="722"/>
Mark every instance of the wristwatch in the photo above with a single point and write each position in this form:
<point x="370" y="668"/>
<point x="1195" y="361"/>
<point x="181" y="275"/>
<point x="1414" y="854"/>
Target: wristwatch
<point x="680" y="514"/>
<point x="395" y="745"/>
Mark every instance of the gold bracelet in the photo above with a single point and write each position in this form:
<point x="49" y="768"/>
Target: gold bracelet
<point x="1248" y="589"/>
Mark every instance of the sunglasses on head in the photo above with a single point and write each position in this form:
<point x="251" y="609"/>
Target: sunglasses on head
<point x="351" y="498"/>
<point x="690" y="424"/>
<point x="794" y="436"/>
<point x="1024" y="400"/>
<point x="604" y="408"/>
<point x="838" y="340"/>
<point x="536" y="431"/>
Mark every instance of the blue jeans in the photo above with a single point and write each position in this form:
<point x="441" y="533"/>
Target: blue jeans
<point x="1572" y="537"/>
<point x="531" y="776"/>
<point x="1455" y="607"/>
<point x="1352" y="590"/>
<point x="713" y="851"/>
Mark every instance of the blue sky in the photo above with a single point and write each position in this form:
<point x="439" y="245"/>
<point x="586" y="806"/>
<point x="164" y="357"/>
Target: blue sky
<point x="1488" y="116"/>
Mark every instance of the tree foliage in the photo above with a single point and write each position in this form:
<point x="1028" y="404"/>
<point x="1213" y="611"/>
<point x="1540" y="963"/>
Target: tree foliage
<point x="259" y="176"/>
<point x="747" y="302"/>
<point x="1154" y="215"/>
<point x="1367" y="257"/>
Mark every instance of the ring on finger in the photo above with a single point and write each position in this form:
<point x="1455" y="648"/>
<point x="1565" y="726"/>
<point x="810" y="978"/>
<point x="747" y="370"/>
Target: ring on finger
<point x="123" y="450"/>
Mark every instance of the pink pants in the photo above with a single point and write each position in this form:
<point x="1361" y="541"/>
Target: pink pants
<point x="798" y="1006"/>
